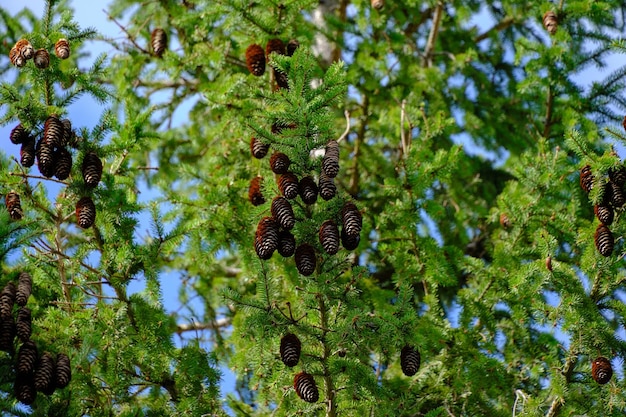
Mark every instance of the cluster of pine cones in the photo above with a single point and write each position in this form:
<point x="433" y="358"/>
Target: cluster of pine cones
<point x="273" y="233"/>
<point x="612" y="198"/>
<point x="54" y="158"/>
<point x="256" y="59"/>
<point x="23" y="50"/>
<point x="34" y="372"/>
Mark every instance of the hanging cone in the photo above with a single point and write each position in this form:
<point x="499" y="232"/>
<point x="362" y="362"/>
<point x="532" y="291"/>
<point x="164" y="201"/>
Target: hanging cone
<point x="330" y="162"/>
<point x="63" y="159"/>
<point x="292" y="45"/>
<point x="63" y="371"/>
<point x="586" y="178"/>
<point x="27" y="358"/>
<point x="27" y="152"/>
<point x="158" y="40"/>
<point x="266" y="238"/>
<point x="351" y="219"/>
<point x="14" y="205"/>
<point x="329" y="237"/>
<point x="308" y="190"/>
<point x="288" y="185"/>
<point x="44" y="374"/>
<point x="18" y="135"/>
<point x="327" y="187"/>
<point x="24" y="288"/>
<point x="255" y="60"/>
<point x="286" y="244"/>
<point x="24" y="389"/>
<point x="62" y="48"/>
<point x="604" y="240"/>
<point x="604" y="214"/>
<point x="85" y="212"/>
<point x="91" y="169"/>
<point x="279" y="163"/>
<point x="409" y="360"/>
<point x="16" y="58"/>
<point x="283" y="213"/>
<point x="290" y="348"/>
<point x="601" y="370"/>
<point x="25" y="49"/>
<point x="306" y="259"/>
<point x="41" y="58"/>
<point x="349" y="242"/>
<point x="23" y="324"/>
<point x="305" y="387"/>
<point x="550" y="22"/>
<point x="254" y="191"/>
<point x="258" y="148"/>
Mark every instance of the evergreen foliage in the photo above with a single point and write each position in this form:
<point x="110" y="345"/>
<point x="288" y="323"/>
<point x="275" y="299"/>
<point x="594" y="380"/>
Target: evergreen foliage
<point x="466" y="256"/>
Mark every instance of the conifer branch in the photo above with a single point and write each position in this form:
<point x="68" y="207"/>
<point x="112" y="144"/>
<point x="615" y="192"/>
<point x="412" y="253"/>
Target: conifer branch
<point x="547" y="124"/>
<point x="130" y="37"/>
<point x="360" y="137"/>
<point x="331" y="406"/>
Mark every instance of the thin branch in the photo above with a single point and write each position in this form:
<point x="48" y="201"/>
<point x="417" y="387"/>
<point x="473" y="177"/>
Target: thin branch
<point x="195" y="326"/>
<point x="403" y="139"/>
<point x="131" y="38"/>
<point x="346" y="113"/>
<point x="547" y="124"/>
<point x="501" y="25"/>
<point x="432" y="36"/>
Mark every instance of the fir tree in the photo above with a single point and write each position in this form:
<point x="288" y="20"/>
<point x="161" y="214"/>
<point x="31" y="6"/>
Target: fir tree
<point x="453" y="265"/>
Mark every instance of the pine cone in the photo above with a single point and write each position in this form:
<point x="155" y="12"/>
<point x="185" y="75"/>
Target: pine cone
<point x="409" y="360"/>
<point x="330" y="162"/>
<point x="258" y="148"/>
<point x="53" y="132"/>
<point x="85" y="212"/>
<point x="617" y="175"/>
<point x="92" y="169"/>
<point x="286" y="244"/>
<point x="62" y="48"/>
<point x="292" y="45"/>
<point x="45" y="159"/>
<point x="27" y="358"/>
<point x="283" y="213"/>
<point x="279" y="163"/>
<point x="290" y="348"/>
<point x="68" y="133"/>
<point x="351" y="219"/>
<point x="254" y="192"/>
<point x="7" y="300"/>
<point x="45" y="374"/>
<point x="16" y="58"/>
<point x="305" y="387"/>
<point x="329" y="237"/>
<point x="158" y="40"/>
<point x="24" y="287"/>
<point x="288" y="185"/>
<point x="63" y="167"/>
<point x="601" y="370"/>
<point x="550" y="22"/>
<point x="275" y="45"/>
<point x="604" y="214"/>
<point x="14" y="205"/>
<point x="266" y="238"/>
<point x="306" y="259"/>
<point x="349" y="242"/>
<point x="63" y="371"/>
<point x="505" y="222"/>
<point x="27" y="152"/>
<point x="586" y="178"/>
<point x="604" y="240"/>
<point x="7" y="334"/>
<point x="25" y="49"/>
<point x="617" y="195"/>
<point x="327" y="187"/>
<point x="255" y="60"/>
<point x="377" y="4"/>
<point x="308" y="190"/>
<point x="18" y="134"/>
<point x="41" y="58"/>
<point x="24" y="389"/>
<point x="23" y="324"/>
